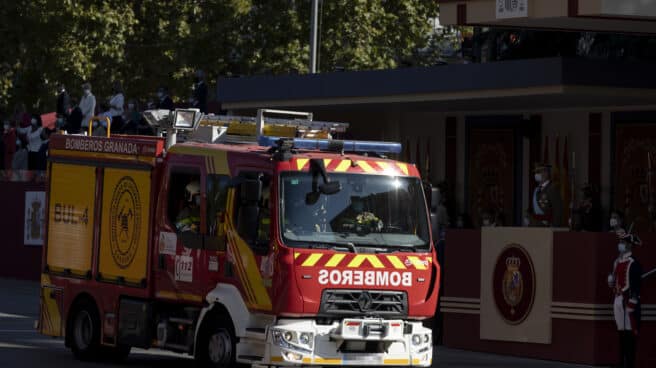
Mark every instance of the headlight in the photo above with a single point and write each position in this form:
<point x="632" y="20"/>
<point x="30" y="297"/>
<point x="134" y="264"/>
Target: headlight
<point x="416" y="340"/>
<point x="426" y="339"/>
<point x="289" y="336"/>
<point x="306" y="339"/>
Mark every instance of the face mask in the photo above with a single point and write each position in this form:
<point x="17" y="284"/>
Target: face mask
<point x="87" y="92"/>
<point x="130" y="106"/>
<point x="538" y="178"/>
<point x="486" y="222"/>
<point x="613" y="222"/>
<point x="34" y="122"/>
<point x="621" y="247"/>
<point x="197" y="200"/>
<point x="6" y="126"/>
<point x="18" y="143"/>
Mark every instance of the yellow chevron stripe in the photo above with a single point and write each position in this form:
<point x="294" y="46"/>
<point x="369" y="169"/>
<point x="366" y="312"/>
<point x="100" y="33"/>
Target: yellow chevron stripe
<point x="296" y="254"/>
<point x="312" y="260"/>
<point x="385" y="166"/>
<point x="300" y="163"/>
<point x="343" y="166"/>
<point x="366" y="167"/>
<point x="335" y="259"/>
<point x="396" y="262"/>
<point x="403" y="167"/>
<point x="327" y="161"/>
<point x="359" y="259"/>
<point x="417" y="262"/>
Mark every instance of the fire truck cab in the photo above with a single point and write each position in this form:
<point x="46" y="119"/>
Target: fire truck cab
<point x="238" y="240"/>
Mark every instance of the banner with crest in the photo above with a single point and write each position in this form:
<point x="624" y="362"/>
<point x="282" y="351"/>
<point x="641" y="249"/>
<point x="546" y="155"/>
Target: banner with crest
<point x="516" y="284"/>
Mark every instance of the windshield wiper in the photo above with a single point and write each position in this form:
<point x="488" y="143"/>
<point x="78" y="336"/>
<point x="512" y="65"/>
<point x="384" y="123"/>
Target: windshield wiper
<point x="400" y="248"/>
<point x="327" y="245"/>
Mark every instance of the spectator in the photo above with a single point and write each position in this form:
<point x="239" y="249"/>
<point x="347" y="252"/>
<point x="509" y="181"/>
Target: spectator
<point x="199" y="99"/>
<point x="21" y="117"/>
<point x="63" y="106"/>
<point x="132" y="118"/>
<point x="87" y="105"/>
<point x="9" y="143"/>
<point x="165" y="102"/>
<point x="33" y="135"/>
<point x="116" y="110"/>
<point x="19" y="161"/>
<point x="75" y="118"/>
<point x="42" y="158"/>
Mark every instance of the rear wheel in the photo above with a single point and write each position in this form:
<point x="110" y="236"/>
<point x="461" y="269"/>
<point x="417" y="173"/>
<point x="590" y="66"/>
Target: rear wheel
<point x="85" y="332"/>
<point x="217" y="344"/>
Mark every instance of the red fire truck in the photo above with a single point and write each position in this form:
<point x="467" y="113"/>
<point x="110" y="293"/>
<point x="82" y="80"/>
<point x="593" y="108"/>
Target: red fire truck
<point x="238" y="240"/>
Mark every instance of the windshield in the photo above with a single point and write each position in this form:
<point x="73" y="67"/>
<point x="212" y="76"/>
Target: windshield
<point x="371" y="210"/>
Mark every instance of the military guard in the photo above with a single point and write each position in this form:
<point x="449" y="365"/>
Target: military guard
<point x="546" y="205"/>
<point x="625" y="284"/>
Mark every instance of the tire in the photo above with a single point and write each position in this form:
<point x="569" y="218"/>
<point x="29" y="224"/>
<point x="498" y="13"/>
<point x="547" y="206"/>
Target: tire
<point x="85" y="332"/>
<point x="217" y="345"/>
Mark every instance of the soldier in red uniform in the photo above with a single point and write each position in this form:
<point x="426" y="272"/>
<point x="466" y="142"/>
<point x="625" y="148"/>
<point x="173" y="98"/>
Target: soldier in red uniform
<point x="625" y="283"/>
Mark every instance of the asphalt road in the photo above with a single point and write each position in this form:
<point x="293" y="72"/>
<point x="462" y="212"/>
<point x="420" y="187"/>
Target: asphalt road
<point x="22" y="347"/>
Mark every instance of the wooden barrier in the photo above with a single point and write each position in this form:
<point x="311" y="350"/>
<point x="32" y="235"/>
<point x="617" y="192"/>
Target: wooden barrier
<point x="18" y="260"/>
<point x="582" y="326"/>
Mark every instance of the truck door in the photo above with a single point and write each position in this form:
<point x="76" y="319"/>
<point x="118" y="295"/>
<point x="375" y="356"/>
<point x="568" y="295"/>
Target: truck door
<point x="248" y="229"/>
<point x="182" y="229"/>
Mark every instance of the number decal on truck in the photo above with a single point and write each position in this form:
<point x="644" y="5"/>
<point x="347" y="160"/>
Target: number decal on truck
<point x="184" y="266"/>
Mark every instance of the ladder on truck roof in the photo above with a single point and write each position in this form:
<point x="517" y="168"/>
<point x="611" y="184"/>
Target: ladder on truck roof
<point x="302" y="133"/>
<point x="243" y="129"/>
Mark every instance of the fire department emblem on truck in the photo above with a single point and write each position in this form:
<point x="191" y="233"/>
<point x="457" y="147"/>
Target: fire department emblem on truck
<point x="125" y="218"/>
<point x="514" y="284"/>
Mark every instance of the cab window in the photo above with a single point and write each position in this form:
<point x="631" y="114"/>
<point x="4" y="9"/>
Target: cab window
<point x="184" y="205"/>
<point x="252" y="210"/>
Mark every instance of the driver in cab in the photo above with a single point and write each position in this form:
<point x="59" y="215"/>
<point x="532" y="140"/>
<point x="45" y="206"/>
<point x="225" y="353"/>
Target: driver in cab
<point x="189" y="217"/>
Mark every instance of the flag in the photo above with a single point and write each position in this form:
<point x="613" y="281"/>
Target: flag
<point x="564" y="183"/>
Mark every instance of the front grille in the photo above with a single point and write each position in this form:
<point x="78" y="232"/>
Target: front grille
<point x="364" y="303"/>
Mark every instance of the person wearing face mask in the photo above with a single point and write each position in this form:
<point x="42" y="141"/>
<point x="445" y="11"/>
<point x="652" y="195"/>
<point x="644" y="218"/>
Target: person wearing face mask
<point x="617" y="222"/>
<point x="547" y="205"/>
<point x="164" y="101"/>
<point x="116" y="103"/>
<point x="625" y="281"/>
<point x="33" y="136"/>
<point x="189" y="218"/>
<point x="87" y="106"/>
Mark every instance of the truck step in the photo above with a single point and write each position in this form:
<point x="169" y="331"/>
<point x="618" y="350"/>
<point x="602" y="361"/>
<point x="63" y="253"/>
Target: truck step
<point x="250" y="358"/>
<point x="256" y="333"/>
<point x="184" y="321"/>
<point x="175" y="347"/>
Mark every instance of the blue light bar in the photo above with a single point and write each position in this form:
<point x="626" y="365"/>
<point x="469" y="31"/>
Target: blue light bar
<point x="336" y="145"/>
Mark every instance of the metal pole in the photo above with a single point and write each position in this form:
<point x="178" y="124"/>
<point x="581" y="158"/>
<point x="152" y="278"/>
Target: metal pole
<point x="313" y="36"/>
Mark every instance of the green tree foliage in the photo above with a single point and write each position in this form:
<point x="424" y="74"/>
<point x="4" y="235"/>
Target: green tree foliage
<point x="148" y="43"/>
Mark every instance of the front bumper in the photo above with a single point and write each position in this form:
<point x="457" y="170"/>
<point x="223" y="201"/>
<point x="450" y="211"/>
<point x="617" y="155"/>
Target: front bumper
<point x="349" y="342"/>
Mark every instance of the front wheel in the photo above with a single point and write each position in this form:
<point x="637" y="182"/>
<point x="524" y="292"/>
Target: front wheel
<point x="217" y="345"/>
<point x="85" y="332"/>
